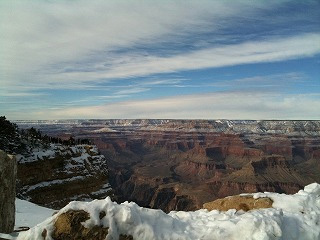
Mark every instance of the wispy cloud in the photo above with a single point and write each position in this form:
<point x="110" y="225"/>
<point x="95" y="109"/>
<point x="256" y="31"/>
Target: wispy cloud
<point x="122" y="49"/>
<point x="231" y="105"/>
<point x="48" y="36"/>
<point x="161" y="82"/>
<point x="245" y="53"/>
<point x="56" y="44"/>
<point x="132" y="91"/>
<point x="279" y="81"/>
<point x="18" y="94"/>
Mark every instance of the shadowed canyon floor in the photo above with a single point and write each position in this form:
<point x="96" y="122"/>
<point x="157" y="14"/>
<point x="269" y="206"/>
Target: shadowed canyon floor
<point x="181" y="164"/>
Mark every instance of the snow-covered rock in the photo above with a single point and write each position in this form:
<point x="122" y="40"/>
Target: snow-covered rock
<point x="291" y="217"/>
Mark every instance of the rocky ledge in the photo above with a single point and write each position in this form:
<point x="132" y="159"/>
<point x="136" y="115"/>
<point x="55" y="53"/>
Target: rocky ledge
<point x="56" y="175"/>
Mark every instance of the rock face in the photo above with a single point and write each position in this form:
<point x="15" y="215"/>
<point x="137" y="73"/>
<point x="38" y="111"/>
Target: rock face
<point x="55" y="176"/>
<point x="8" y="172"/>
<point x="244" y="203"/>
<point x="182" y="171"/>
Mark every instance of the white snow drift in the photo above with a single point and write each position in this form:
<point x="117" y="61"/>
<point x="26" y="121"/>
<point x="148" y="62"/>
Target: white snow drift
<point x="292" y="217"/>
<point x="29" y="214"/>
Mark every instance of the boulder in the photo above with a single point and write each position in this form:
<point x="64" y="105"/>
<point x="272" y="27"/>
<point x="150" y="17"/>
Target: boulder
<point x="68" y="226"/>
<point x="8" y="173"/>
<point x="238" y="202"/>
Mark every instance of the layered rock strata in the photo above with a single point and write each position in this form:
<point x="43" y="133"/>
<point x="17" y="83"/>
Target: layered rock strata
<point x="55" y="176"/>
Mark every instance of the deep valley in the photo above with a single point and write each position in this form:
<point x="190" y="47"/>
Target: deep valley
<point x="181" y="164"/>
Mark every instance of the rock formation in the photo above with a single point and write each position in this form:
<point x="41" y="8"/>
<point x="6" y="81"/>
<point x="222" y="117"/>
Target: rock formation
<point x="244" y="203"/>
<point x="68" y="226"/>
<point x="55" y="176"/>
<point x="8" y="172"/>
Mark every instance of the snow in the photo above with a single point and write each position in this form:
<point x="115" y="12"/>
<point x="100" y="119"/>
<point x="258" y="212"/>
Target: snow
<point x="43" y="184"/>
<point x="292" y="217"/>
<point x="29" y="214"/>
<point x="103" y="130"/>
<point x="55" y="150"/>
<point x="106" y="188"/>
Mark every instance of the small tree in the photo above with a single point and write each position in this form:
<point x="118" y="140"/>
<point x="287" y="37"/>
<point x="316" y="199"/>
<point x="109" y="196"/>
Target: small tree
<point x="10" y="139"/>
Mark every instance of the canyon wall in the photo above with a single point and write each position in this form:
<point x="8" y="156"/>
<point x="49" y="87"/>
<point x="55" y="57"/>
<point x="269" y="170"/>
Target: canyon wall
<point x="55" y="176"/>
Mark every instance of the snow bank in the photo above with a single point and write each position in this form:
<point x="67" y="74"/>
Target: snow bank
<point x="29" y="214"/>
<point x="292" y="217"/>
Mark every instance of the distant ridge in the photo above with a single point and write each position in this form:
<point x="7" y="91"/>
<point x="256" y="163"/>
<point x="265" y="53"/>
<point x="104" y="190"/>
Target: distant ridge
<point x="307" y="127"/>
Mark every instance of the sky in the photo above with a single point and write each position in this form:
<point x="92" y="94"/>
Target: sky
<point x="175" y="59"/>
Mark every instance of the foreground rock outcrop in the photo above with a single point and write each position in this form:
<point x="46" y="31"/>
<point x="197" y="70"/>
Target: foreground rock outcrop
<point x="8" y="172"/>
<point x="244" y="203"/>
<point x="68" y="226"/>
<point x="54" y="176"/>
<point x="290" y="217"/>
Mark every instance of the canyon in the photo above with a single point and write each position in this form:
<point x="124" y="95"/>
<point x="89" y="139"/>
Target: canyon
<point x="182" y="164"/>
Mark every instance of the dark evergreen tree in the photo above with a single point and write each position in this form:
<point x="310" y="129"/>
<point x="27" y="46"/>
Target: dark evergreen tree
<point x="13" y="140"/>
<point x="10" y="139"/>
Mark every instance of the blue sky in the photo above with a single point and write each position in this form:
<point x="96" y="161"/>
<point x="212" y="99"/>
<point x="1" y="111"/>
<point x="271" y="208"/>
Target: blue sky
<point x="160" y="59"/>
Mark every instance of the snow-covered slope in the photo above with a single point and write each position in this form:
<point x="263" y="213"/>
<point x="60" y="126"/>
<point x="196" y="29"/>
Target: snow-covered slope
<point x="54" y="150"/>
<point x="29" y="214"/>
<point x="292" y="217"/>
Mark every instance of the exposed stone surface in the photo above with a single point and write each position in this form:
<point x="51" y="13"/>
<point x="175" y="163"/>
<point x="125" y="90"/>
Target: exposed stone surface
<point x="244" y="203"/>
<point x="182" y="171"/>
<point x="68" y="226"/>
<point x="67" y="173"/>
<point x="8" y="172"/>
